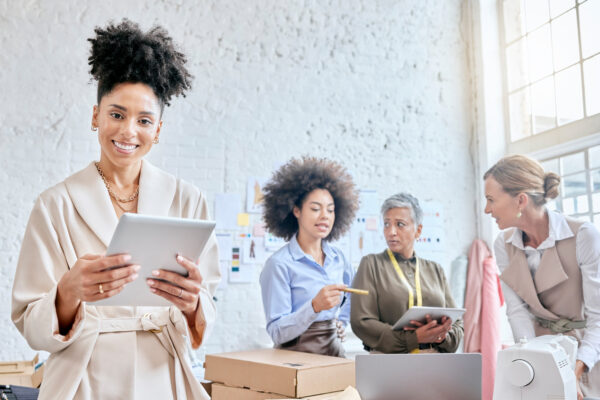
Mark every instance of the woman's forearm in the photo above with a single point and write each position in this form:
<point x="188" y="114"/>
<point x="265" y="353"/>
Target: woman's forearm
<point x="66" y="309"/>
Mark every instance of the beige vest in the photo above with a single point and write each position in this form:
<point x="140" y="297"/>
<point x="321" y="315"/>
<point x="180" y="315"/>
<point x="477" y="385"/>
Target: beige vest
<point x="555" y="291"/>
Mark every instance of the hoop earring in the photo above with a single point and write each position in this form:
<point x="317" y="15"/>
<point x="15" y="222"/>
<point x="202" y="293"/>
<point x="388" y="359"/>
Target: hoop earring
<point x="94" y="128"/>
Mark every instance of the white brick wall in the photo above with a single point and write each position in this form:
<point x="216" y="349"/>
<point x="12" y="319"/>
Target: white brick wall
<point x="382" y="86"/>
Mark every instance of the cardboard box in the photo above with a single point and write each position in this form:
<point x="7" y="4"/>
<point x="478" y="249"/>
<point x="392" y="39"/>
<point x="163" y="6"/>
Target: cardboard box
<point x="222" y="392"/>
<point x="207" y="386"/>
<point x="21" y="373"/>
<point x="289" y="373"/>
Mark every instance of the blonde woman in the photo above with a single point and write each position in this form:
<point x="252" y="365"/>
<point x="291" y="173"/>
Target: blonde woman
<point x="549" y="263"/>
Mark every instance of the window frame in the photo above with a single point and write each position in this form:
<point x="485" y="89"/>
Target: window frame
<point x="573" y="147"/>
<point x="588" y="125"/>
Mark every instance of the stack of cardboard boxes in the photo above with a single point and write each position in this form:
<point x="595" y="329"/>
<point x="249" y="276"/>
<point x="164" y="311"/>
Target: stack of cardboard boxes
<point x="267" y="374"/>
<point x="22" y="373"/>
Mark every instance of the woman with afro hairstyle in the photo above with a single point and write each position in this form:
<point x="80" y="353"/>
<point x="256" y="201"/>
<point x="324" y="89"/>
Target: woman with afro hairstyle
<point x="308" y="202"/>
<point x="116" y="352"/>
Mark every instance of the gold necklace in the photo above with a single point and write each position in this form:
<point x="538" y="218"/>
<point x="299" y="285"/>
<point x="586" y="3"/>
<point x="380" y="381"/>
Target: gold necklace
<point x="113" y="194"/>
<point x="125" y="209"/>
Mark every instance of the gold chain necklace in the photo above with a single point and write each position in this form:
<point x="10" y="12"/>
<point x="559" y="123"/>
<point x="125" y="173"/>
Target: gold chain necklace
<point x="125" y="209"/>
<point x="113" y="194"/>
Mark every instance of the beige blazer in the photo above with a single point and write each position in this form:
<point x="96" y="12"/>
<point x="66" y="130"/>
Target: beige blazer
<point x="110" y="352"/>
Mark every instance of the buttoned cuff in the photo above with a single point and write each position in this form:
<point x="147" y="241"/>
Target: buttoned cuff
<point x="587" y="355"/>
<point x="306" y="315"/>
<point x="411" y="340"/>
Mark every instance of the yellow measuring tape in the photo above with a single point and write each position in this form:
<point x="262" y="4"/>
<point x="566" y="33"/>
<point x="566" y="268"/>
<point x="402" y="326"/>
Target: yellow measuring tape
<point x="411" y="297"/>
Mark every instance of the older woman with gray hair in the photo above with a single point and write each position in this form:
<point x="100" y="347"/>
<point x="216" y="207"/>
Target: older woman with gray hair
<point x="397" y="280"/>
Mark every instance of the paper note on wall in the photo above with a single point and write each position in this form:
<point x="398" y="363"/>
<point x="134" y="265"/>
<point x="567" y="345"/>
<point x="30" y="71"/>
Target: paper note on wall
<point x="364" y="241"/>
<point x="371" y="223"/>
<point x="253" y="250"/>
<point x="243" y="219"/>
<point x="368" y="203"/>
<point x="431" y="244"/>
<point x="254" y="194"/>
<point x="259" y="230"/>
<point x="225" y="243"/>
<point x="243" y="273"/>
<point x="227" y="207"/>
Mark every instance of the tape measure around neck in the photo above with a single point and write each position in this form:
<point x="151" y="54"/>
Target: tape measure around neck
<point x="411" y="297"/>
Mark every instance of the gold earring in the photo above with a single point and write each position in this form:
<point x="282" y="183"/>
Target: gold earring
<point x="94" y="128"/>
<point x="519" y="214"/>
<point x="155" y="141"/>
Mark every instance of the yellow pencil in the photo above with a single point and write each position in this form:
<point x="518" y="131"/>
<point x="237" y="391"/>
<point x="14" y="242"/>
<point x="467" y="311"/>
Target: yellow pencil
<point x="355" y="291"/>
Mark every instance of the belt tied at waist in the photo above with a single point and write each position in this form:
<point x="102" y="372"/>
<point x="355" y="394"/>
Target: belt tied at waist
<point x="151" y="322"/>
<point x="562" y="325"/>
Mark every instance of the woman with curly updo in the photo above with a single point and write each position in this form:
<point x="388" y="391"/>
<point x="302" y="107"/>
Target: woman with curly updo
<point x="550" y="263"/>
<point x="308" y="202"/>
<point x="116" y="352"/>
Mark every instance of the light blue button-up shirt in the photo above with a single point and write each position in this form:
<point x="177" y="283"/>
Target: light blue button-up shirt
<point x="291" y="279"/>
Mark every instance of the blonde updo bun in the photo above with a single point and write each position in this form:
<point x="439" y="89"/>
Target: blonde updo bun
<point x="521" y="174"/>
<point x="551" y="185"/>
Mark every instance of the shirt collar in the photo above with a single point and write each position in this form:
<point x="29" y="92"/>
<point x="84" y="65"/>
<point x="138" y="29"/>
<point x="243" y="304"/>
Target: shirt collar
<point x="558" y="230"/>
<point x="400" y="258"/>
<point x="297" y="252"/>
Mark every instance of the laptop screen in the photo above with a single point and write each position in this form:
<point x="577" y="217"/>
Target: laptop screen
<point x="446" y="376"/>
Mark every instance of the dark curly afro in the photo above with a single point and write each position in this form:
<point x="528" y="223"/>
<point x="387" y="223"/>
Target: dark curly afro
<point x="123" y="53"/>
<point x="290" y="185"/>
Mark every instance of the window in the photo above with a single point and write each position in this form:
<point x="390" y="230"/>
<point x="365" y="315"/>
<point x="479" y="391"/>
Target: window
<point x="552" y="71"/>
<point x="580" y="184"/>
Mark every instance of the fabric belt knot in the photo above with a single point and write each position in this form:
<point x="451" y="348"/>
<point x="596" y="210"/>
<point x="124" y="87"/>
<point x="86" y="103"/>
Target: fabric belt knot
<point x="150" y="322"/>
<point x="149" y="325"/>
<point x="562" y="325"/>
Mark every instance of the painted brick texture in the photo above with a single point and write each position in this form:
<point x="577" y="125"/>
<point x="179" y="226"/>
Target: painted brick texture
<point x="382" y="86"/>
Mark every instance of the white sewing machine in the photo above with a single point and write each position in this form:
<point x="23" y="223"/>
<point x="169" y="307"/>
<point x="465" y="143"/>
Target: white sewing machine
<point x="538" y="369"/>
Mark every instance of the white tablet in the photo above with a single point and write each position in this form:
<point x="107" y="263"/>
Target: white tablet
<point x="419" y="313"/>
<point x="153" y="243"/>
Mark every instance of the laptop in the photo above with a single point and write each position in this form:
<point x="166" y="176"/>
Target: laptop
<point x="446" y="376"/>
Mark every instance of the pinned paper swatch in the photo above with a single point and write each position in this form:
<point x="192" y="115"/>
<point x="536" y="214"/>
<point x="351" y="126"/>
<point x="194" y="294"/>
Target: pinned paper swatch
<point x="243" y="219"/>
<point x="227" y="206"/>
<point x="371" y="223"/>
<point x="258" y="230"/>
<point x="225" y="243"/>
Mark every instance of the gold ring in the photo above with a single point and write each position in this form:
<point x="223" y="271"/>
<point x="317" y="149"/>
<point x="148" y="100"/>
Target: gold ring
<point x="100" y="289"/>
<point x="180" y="293"/>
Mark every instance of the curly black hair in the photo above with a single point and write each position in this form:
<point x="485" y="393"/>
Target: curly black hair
<point x="123" y="53"/>
<point x="290" y="186"/>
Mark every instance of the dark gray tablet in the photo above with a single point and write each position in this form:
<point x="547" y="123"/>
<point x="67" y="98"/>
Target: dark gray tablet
<point x="153" y="243"/>
<point x="418" y="314"/>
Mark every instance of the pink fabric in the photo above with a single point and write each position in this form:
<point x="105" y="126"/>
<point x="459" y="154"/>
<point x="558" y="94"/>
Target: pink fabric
<point x="483" y="300"/>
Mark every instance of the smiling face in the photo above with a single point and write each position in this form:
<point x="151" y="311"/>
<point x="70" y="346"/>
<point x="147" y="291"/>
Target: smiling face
<point x="501" y="205"/>
<point x="128" y="121"/>
<point x="317" y="215"/>
<point x="400" y="231"/>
